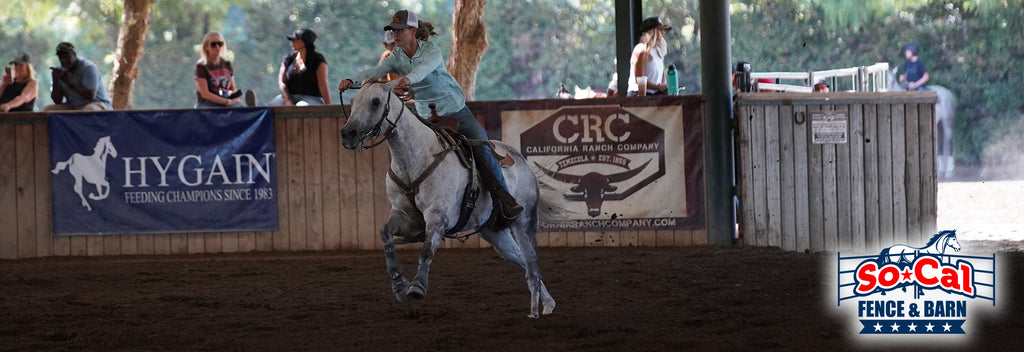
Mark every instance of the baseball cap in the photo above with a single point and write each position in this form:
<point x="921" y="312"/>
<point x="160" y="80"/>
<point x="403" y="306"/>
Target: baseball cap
<point x="65" y="47"/>
<point x="389" y="37"/>
<point x="21" y="58"/>
<point x="652" y="23"/>
<point x="402" y="20"/>
<point x="306" y="35"/>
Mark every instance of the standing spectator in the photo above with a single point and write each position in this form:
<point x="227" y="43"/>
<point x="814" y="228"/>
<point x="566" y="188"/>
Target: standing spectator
<point x="915" y="74"/>
<point x="76" y="83"/>
<point x="215" y="79"/>
<point x="20" y="88"/>
<point x="648" y="58"/>
<point x="303" y="77"/>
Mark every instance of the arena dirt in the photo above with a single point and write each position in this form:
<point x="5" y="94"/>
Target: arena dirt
<point x="609" y="299"/>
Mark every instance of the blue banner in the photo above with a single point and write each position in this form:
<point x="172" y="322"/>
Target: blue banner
<point x="131" y="172"/>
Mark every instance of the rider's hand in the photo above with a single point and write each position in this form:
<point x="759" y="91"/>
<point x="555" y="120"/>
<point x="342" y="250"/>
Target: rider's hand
<point x="403" y="83"/>
<point x="345" y="84"/>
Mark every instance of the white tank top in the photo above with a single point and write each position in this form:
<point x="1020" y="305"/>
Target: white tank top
<point x="654" y="68"/>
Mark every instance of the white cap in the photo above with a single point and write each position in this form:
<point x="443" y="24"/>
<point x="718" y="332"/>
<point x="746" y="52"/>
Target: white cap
<point x="389" y="37"/>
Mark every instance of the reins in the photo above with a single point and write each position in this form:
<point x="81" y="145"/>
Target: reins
<point x="375" y="131"/>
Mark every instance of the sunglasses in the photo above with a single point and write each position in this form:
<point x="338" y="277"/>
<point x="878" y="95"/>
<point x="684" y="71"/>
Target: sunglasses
<point x="216" y="44"/>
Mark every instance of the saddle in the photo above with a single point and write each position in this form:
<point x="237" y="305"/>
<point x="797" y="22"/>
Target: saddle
<point x="446" y="128"/>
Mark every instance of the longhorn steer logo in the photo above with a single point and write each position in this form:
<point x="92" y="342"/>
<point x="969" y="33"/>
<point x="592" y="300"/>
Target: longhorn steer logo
<point x="598" y="154"/>
<point x="593" y="187"/>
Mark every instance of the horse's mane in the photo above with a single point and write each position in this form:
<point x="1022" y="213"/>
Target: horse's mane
<point x="941" y="234"/>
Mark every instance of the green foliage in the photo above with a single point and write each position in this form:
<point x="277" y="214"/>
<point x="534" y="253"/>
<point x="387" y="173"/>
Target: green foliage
<point x="972" y="47"/>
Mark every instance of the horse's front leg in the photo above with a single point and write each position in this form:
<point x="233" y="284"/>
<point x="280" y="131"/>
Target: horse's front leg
<point x="434" y="234"/>
<point x="399" y="285"/>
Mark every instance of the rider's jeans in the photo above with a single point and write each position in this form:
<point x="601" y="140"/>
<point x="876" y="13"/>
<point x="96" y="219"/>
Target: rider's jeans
<point x="471" y="128"/>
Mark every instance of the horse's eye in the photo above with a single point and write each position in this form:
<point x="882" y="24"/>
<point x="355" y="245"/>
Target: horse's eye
<point x="376" y="102"/>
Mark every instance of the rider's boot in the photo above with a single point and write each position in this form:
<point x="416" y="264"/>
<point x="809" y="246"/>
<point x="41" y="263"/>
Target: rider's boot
<point x="495" y="182"/>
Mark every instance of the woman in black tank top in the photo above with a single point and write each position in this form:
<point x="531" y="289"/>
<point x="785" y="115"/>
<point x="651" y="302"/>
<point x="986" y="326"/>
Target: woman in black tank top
<point x="19" y="89"/>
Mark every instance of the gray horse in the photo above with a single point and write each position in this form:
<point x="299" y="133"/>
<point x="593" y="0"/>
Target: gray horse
<point x="945" y="116"/>
<point x="417" y="155"/>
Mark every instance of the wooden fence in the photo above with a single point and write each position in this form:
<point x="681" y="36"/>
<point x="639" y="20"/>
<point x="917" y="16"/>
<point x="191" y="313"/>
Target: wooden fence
<point x="877" y="189"/>
<point x="328" y="198"/>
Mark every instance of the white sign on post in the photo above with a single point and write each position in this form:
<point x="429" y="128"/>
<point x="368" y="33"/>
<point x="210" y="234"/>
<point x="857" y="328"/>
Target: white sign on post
<point x="828" y="127"/>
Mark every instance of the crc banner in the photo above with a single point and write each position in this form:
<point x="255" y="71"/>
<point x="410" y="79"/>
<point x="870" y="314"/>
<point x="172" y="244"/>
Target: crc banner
<point x="132" y="172"/>
<point x="622" y="164"/>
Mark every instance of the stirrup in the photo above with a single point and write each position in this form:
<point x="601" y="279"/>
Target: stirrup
<point x="511" y="212"/>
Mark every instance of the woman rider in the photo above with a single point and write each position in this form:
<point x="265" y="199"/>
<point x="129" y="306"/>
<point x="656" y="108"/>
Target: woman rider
<point x="420" y="66"/>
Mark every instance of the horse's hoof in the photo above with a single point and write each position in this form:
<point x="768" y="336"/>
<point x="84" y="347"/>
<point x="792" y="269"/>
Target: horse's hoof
<point x="415" y="293"/>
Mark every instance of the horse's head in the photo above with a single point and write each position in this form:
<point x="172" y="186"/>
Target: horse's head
<point x="104" y="147"/>
<point x="952" y="242"/>
<point x="894" y="84"/>
<point x="374" y="107"/>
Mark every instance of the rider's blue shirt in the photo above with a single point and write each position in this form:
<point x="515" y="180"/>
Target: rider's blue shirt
<point x="429" y="80"/>
<point x="914" y="70"/>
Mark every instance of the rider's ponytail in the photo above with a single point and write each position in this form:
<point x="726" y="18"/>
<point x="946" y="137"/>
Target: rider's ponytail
<point x="425" y="30"/>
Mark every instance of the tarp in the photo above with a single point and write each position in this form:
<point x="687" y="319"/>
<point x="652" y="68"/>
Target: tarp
<point x="133" y="172"/>
<point x="622" y="164"/>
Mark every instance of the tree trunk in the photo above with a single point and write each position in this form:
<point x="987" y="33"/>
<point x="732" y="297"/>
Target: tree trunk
<point x="469" y="42"/>
<point x="130" y="43"/>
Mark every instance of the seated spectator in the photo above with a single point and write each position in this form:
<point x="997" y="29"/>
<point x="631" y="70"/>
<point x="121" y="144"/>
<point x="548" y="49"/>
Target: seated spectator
<point x="76" y="83"/>
<point x="215" y="78"/>
<point x="20" y="88"/>
<point x="303" y="77"/>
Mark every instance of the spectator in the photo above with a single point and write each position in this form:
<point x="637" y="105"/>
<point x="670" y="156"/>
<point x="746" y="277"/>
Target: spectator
<point x="215" y="79"/>
<point x="648" y="58"/>
<point x="420" y="67"/>
<point x="76" y="83"/>
<point x="915" y="74"/>
<point x="20" y="88"/>
<point x="821" y="86"/>
<point x="303" y="78"/>
<point x="389" y="45"/>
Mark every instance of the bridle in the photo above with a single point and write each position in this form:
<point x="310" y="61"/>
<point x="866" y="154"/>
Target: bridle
<point x="375" y="131"/>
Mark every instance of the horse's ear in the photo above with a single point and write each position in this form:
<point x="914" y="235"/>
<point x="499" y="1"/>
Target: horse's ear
<point x="390" y="85"/>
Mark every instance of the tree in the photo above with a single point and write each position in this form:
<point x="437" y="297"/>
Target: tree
<point x="469" y="43"/>
<point x="130" y="43"/>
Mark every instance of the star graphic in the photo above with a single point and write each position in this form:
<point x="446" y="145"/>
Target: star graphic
<point x="895" y="327"/>
<point x="878" y="327"/>
<point x="929" y="326"/>
<point x="906" y="274"/>
<point x="946" y="326"/>
<point x="912" y="327"/>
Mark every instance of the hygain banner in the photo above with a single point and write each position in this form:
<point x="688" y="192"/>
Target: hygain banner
<point x="130" y="172"/>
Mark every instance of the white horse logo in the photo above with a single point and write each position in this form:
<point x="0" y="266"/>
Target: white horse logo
<point x="92" y="167"/>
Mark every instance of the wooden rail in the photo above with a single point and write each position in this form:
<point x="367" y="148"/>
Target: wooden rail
<point x="877" y="189"/>
<point x="329" y="198"/>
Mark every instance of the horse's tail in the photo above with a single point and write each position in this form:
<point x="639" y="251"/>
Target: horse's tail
<point x="61" y="165"/>
<point x="552" y="207"/>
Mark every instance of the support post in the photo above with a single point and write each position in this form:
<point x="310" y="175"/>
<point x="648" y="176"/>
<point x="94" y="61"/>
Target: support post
<point x="716" y="82"/>
<point x="627" y="19"/>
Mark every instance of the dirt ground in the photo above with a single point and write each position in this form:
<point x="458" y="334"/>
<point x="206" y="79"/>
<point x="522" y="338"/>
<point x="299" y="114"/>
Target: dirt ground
<point x="609" y="299"/>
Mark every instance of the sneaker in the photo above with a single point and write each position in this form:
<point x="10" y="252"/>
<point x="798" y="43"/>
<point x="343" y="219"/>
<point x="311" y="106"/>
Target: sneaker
<point x="250" y="98"/>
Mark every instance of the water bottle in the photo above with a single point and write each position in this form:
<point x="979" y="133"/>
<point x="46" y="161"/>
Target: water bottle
<point x="673" y="80"/>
